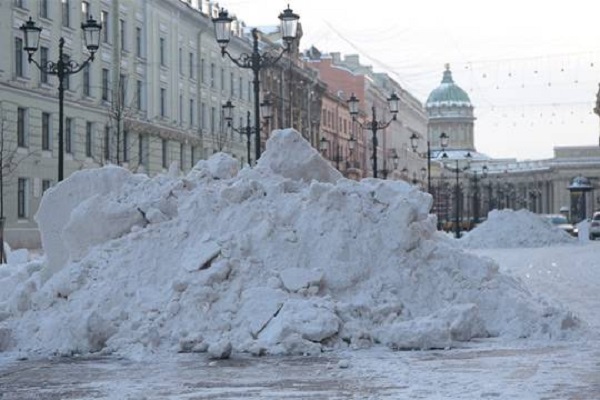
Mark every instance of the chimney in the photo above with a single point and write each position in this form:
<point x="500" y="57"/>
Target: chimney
<point x="353" y="60"/>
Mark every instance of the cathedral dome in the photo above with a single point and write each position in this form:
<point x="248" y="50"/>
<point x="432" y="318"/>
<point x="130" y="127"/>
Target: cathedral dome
<point x="448" y="93"/>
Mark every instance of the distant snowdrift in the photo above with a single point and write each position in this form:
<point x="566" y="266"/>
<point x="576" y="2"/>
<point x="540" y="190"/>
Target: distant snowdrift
<point x="509" y="229"/>
<point x="285" y="258"/>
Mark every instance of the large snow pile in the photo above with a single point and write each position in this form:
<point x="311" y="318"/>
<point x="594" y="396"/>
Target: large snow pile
<point x="284" y="258"/>
<point x="510" y="229"/>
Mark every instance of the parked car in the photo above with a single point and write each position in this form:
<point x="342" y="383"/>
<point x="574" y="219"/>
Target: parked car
<point x="560" y="221"/>
<point x="595" y="226"/>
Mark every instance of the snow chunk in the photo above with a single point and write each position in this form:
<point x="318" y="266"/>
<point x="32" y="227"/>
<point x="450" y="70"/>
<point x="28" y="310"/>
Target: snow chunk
<point x="295" y="279"/>
<point x="96" y="220"/>
<point x="58" y="203"/>
<point x="201" y="258"/>
<point x="220" y="350"/>
<point x="297" y="323"/>
<point x="218" y="166"/>
<point x="436" y="331"/>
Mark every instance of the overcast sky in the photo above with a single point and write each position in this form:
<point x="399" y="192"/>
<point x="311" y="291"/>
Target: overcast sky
<point x="531" y="67"/>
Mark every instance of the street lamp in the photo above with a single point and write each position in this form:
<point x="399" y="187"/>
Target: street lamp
<point x="374" y="125"/>
<point x="442" y="200"/>
<point x="491" y="201"/>
<point x="266" y="112"/>
<point x="266" y="109"/>
<point x="404" y="174"/>
<point x="351" y="144"/>
<point x="414" y="143"/>
<point x="476" y="201"/>
<point x="61" y="68"/>
<point x="457" y="171"/>
<point x="255" y="61"/>
<point x="324" y="148"/>
<point x="424" y="174"/>
<point x="324" y="145"/>
<point x="414" y="179"/>
<point x="350" y="163"/>
<point x="395" y="160"/>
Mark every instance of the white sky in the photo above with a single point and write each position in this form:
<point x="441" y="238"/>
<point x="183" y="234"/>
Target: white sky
<point x="531" y="67"/>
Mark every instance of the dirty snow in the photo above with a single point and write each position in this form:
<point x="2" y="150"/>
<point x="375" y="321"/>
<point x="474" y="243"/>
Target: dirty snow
<point x="288" y="257"/>
<point x="510" y="229"/>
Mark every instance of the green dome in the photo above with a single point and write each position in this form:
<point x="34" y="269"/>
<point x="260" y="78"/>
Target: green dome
<point x="448" y="93"/>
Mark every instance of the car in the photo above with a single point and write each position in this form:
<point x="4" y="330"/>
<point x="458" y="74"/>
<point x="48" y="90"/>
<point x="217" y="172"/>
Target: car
<point x="595" y="226"/>
<point x="561" y="222"/>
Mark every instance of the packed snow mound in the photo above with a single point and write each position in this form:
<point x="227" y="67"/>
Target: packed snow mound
<point x="511" y="229"/>
<point x="284" y="258"/>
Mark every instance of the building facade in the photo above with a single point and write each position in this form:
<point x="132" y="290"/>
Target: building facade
<point x="152" y="96"/>
<point x="347" y="76"/>
<point x="467" y="184"/>
<point x="154" y="93"/>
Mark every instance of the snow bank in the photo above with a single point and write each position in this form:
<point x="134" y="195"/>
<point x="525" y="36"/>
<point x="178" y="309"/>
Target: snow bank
<point x="57" y="207"/>
<point x="15" y="256"/>
<point x="510" y="229"/>
<point x="285" y="258"/>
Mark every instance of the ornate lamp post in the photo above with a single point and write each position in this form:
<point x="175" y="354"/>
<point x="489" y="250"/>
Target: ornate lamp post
<point x="351" y="144"/>
<point x="457" y="170"/>
<point x="404" y="174"/>
<point x="395" y="161"/>
<point x="442" y="200"/>
<point x="424" y="174"/>
<point x="256" y="61"/>
<point x="414" y="143"/>
<point x="491" y="202"/>
<point x="323" y="145"/>
<point x="61" y="68"/>
<point x="266" y="112"/>
<point x="374" y="125"/>
<point x="324" y="148"/>
<point x="476" y="201"/>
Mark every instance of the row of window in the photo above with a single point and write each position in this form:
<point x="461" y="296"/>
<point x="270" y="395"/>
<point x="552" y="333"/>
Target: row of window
<point x="138" y="101"/>
<point x="45" y="12"/>
<point x="122" y="148"/>
<point x="23" y="184"/>
<point x="44" y="9"/>
<point x="329" y="121"/>
<point x="46" y="132"/>
<point x="123" y="35"/>
<point x="234" y="90"/>
<point x="182" y="155"/>
<point x="69" y="125"/>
